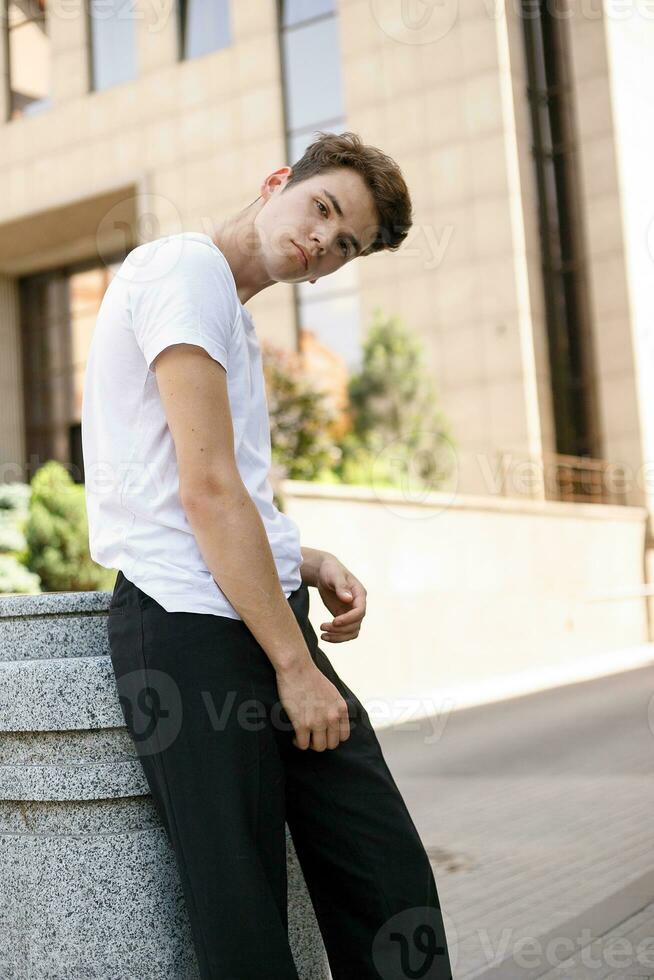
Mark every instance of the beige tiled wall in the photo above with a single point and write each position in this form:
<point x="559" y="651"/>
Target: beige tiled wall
<point x="196" y="137"/>
<point x="445" y="110"/>
<point x="190" y="142"/>
<point x="552" y="606"/>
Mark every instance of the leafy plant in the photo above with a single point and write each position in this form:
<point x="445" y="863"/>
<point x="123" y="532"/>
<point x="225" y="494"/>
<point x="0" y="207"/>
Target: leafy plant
<point x="14" y="576"/>
<point x="56" y="534"/>
<point x="398" y="431"/>
<point x="300" y="418"/>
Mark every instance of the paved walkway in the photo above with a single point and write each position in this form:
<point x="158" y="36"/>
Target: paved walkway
<point x="538" y="816"/>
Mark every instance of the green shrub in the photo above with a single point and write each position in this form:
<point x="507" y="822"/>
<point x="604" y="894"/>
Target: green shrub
<point x="398" y="432"/>
<point x="56" y="533"/>
<point x="14" y="576"/>
<point x="300" y="419"/>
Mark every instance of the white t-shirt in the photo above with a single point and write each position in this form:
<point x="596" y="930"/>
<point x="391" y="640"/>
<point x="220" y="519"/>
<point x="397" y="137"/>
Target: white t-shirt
<point x="178" y="288"/>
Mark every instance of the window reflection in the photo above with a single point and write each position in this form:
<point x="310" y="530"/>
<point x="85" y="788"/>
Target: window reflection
<point x="29" y="57"/>
<point x="113" y="42"/>
<point x="298" y="11"/>
<point x="312" y="69"/>
<point x="203" y="26"/>
<point x="334" y="321"/>
<point x="329" y="320"/>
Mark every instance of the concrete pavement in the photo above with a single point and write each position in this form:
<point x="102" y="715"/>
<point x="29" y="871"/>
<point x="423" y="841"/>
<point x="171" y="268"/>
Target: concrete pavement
<point x="537" y="814"/>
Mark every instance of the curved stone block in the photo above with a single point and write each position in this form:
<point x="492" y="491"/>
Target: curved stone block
<point x="88" y="881"/>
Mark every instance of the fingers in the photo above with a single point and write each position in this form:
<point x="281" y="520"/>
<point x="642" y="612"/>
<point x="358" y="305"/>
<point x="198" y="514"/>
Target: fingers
<point x="348" y="620"/>
<point x="337" y="632"/>
<point x="302" y="736"/>
<point x="334" y="637"/>
<point x="320" y="739"/>
<point x="355" y="612"/>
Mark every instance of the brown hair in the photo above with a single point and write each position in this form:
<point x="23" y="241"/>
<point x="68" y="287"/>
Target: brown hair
<point x="380" y="172"/>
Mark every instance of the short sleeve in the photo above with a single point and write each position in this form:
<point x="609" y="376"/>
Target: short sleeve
<point x="181" y="292"/>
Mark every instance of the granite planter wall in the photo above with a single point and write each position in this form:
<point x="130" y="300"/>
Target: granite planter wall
<point x="88" y="880"/>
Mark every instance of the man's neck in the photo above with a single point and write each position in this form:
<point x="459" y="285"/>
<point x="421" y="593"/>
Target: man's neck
<point x="236" y="237"/>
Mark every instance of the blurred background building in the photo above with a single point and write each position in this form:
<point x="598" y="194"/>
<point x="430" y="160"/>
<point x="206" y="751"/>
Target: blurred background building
<point x="527" y="273"/>
<point x="523" y="130"/>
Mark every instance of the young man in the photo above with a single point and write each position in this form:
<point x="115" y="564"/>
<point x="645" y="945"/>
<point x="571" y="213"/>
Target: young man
<point x="210" y="607"/>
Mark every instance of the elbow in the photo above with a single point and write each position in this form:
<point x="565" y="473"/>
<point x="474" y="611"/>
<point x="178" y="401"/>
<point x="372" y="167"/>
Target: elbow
<point x="198" y="496"/>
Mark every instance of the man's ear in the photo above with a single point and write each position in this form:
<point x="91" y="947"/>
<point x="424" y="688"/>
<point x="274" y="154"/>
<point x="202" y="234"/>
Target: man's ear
<point x="274" y="180"/>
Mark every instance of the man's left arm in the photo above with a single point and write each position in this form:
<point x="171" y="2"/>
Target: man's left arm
<point x="341" y="591"/>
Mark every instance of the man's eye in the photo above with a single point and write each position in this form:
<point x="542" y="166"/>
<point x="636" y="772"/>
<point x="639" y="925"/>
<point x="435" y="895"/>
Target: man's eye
<point x="322" y="207"/>
<point x="343" y="242"/>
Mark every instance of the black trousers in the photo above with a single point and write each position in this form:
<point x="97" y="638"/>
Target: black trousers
<point x="200" y="700"/>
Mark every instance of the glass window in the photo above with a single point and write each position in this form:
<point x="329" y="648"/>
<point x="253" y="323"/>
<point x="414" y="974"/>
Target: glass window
<point x="312" y="69"/>
<point x="203" y="26"/>
<point x="113" y="42"/>
<point x="298" y="11"/>
<point x="29" y="57"/>
<point x="298" y="142"/>
<point x="329" y="310"/>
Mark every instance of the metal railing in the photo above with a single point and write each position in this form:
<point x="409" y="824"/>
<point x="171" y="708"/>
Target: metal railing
<point x="580" y="479"/>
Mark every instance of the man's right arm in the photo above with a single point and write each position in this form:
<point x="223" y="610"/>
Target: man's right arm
<point x="225" y="519"/>
<point x="232" y="538"/>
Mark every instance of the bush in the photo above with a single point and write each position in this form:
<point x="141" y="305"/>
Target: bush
<point x="14" y="577"/>
<point x="300" y="419"/>
<point x="56" y="533"/>
<point x="398" y="432"/>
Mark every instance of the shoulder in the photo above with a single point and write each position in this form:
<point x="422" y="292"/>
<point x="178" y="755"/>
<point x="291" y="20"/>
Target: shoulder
<point x="188" y="262"/>
<point x="177" y="255"/>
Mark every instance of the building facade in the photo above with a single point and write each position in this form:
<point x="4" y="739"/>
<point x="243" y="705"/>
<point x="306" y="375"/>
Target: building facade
<point x="521" y="129"/>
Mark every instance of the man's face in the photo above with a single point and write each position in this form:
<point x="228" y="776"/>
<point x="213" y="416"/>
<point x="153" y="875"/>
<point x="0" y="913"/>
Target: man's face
<point x="330" y="217"/>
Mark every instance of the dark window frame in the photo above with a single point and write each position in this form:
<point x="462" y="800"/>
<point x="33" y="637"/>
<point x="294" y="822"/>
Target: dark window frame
<point x="33" y="435"/>
<point x="563" y="259"/>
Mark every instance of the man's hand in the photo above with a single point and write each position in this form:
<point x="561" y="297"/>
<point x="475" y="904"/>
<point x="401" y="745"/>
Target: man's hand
<point x="344" y="596"/>
<point x="315" y="707"/>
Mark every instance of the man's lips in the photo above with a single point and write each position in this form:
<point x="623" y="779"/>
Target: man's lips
<point x="303" y="254"/>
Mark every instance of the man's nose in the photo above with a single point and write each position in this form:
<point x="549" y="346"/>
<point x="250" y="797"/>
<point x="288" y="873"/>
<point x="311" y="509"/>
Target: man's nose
<point x="319" y="242"/>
